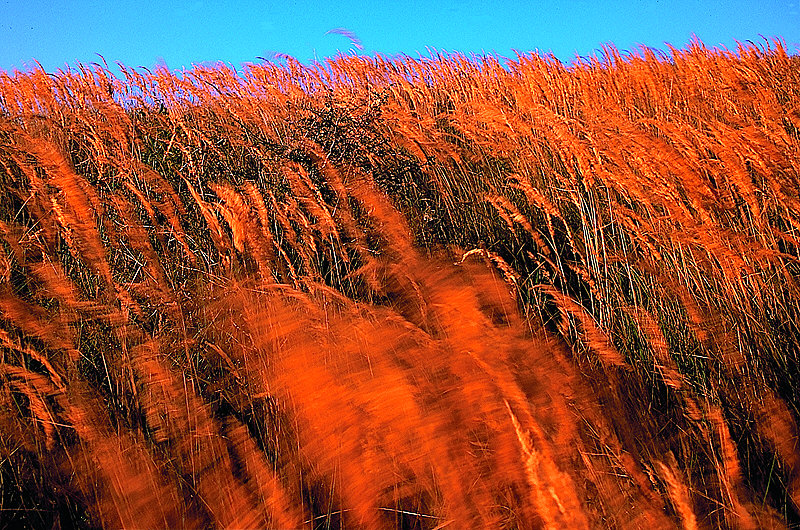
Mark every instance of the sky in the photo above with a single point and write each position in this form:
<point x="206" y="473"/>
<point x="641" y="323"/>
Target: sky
<point x="58" y="33"/>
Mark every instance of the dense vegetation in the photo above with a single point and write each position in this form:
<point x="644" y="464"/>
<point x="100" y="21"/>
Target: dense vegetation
<point x="414" y="293"/>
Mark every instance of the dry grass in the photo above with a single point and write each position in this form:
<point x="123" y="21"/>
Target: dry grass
<point x="412" y="293"/>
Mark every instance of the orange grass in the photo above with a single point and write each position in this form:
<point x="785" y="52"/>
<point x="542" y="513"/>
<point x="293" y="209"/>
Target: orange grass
<point x="414" y="293"/>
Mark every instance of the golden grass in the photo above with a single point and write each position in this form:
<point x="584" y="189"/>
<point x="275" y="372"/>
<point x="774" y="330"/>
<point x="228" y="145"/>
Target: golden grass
<point x="412" y="293"/>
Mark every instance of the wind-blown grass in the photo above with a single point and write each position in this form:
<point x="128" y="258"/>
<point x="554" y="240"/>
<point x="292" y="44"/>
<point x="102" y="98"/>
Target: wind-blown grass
<point x="412" y="293"/>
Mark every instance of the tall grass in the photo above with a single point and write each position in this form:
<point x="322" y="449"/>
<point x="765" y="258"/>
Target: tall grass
<point x="395" y="292"/>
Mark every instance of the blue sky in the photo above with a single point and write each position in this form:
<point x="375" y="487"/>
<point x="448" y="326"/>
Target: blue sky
<point x="144" y="33"/>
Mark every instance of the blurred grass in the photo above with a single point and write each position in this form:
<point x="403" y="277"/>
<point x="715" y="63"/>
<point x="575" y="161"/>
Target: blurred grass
<point x="643" y="209"/>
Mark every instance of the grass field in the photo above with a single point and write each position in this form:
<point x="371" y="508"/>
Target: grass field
<point x="380" y="292"/>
